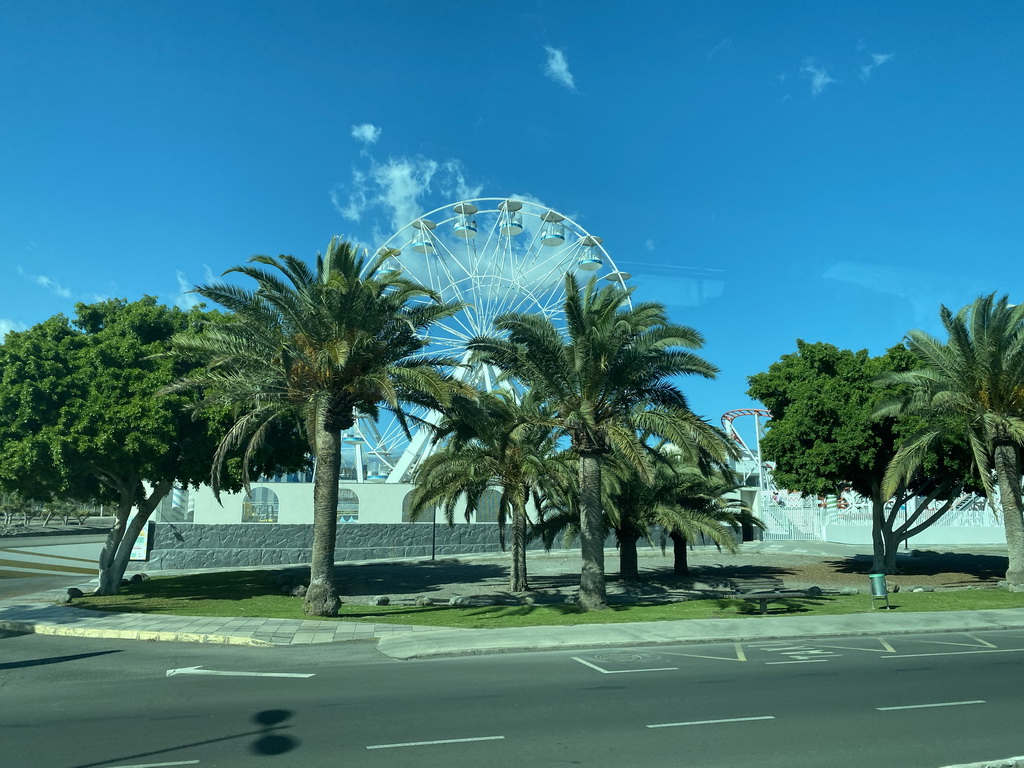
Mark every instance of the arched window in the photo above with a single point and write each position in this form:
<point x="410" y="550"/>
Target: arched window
<point x="260" y="506"/>
<point x="348" y="506"/>
<point x="487" y="506"/>
<point x="426" y="516"/>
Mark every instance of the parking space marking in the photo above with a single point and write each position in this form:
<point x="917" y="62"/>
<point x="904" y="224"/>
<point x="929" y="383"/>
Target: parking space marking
<point x="432" y="743"/>
<point x="978" y="642"/>
<point x="157" y="765"/>
<point x="954" y="653"/>
<point x="712" y="722"/>
<point x="740" y="655"/>
<point x="886" y="648"/>
<point x="802" y="661"/>
<point x="929" y="706"/>
<point x="620" y="671"/>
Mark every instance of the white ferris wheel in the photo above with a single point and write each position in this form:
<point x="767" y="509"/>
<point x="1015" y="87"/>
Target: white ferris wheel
<point x="495" y="255"/>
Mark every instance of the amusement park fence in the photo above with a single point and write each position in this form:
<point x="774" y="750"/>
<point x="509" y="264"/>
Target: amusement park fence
<point x="847" y="518"/>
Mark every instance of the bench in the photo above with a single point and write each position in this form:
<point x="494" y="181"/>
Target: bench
<point x="764" y="590"/>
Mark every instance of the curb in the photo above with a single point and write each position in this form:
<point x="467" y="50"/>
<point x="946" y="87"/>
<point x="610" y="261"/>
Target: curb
<point x="128" y="634"/>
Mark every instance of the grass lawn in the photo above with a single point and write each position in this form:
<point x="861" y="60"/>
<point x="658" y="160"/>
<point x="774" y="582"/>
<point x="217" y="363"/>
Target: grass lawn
<point x="247" y="593"/>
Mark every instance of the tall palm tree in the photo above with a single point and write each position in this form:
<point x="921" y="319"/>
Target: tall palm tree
<point x="606" y="380"/>
<point x="973" y="384"/>
<point x="492" y="440"/>
<point x="317" y="345"/>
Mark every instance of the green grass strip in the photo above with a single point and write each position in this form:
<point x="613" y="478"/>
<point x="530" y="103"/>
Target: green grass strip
<point x="251" y="594"/>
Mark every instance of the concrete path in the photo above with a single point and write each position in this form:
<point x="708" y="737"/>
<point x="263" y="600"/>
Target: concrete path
<point x="39" y="613"/>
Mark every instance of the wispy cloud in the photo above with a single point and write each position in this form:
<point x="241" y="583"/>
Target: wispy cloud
<point x="398" y="186"/>
<point x="817" y="75"/>
<point x="48" y="283"/>
<point x="368" y="133"/>
<point x="724" y="45"/>
<point x="649" y="244"/>
<point x="185" y="299"/>
<point x="877" y="60"/>
<point x="6" y="326"/>
<point x="557" y="68"/>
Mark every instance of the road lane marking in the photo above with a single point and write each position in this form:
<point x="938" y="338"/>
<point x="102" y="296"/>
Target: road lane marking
<point x="804" y="661"/>
<point x="953" y="653"/>
<point x="156" y="765"/>
<point x="431" y="743"/>
<point x="620" y="671"/>
<point x="928" y="706"/>
<point x="197" y="670"/>
<point x="712" y="722"/>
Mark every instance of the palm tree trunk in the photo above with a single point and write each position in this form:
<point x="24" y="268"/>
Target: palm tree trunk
<point x="1008" y="476"/>
<point x="593" y="596"/>
<point x="680" y="567"/>
<point x="517" y="578"/>
<point x="877" y="522"/>
<point x="629" y="566"/>
<point x="321" y="596"/>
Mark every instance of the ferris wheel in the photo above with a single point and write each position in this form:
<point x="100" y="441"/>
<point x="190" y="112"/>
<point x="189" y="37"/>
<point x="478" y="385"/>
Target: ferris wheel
<point x="494" y="255"/>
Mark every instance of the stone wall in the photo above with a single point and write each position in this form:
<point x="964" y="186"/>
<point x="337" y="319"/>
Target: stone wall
<point x="193" y="545"/>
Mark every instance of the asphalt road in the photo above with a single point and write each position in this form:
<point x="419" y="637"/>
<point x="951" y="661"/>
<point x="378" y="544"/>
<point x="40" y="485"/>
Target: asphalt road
<point x="901" y="702"/>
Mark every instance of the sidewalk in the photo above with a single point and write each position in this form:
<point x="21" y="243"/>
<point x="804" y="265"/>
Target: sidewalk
<point x="40" y="614"/>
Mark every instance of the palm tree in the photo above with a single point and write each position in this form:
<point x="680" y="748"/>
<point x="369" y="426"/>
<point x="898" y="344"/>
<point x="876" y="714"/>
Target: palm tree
<point x="606" y="380"/>
<point x="973" y="383"/>
<point x="315" y="345"/>
<point x="492" y="440"/>
<point x="686" y="500"/>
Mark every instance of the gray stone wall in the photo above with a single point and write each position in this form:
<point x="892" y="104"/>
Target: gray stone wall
<point x="192" y="545"/>
<point x="176" y="546"/>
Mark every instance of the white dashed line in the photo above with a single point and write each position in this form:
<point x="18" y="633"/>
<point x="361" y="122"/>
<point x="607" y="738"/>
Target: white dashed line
<point x="157" y="765"/>
<point x="928" y="706"/>
<point x="431" y="743"/>
<point x="711" y="722"/>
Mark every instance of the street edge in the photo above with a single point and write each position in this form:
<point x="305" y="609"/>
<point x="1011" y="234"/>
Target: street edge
<point x="401" y="655"/>
<point x="129" y="634"/>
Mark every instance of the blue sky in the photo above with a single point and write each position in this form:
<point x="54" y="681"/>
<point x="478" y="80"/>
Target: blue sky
<point x="830" y="171"/>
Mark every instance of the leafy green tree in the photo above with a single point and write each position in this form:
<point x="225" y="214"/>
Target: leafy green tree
<point x="823" y="437"/>
<point x="972" y="384"/>
<point x="608" y="379"/>
<point x="316" y="346"/>
<point x="492" y="440"/>
<point x="81" y="418"/>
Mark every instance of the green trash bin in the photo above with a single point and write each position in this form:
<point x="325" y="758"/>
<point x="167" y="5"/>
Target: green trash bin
<point x="879" y="590"/>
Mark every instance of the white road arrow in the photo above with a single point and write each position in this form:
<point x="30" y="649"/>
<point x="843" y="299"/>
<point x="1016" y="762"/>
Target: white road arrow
<point x="199" y="671"/>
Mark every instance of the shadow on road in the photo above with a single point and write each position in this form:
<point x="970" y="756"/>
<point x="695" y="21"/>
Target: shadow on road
<point x="268" y="742"/>
<point x="52" y="660"/>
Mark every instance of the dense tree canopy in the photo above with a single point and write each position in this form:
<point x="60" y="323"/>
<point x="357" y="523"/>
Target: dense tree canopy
<point x="823" y="436"/>
<point x="81" y="417"/>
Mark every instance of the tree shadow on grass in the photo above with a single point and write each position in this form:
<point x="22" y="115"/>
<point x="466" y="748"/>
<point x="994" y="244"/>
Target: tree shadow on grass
<point x="960" y="567"/>
<point x="786" y="605"/>
<point x="426" y="576"/>
<point x="353" y="580"/>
